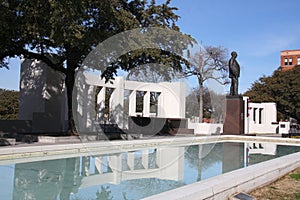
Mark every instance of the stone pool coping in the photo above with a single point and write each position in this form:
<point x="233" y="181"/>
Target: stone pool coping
<point x="73" y="148"/>
<point x="241" y="180"/>
<point x="219" y="187"/>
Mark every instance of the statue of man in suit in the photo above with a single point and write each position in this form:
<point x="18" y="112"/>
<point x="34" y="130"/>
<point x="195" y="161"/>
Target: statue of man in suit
<point x="234" y="74"/>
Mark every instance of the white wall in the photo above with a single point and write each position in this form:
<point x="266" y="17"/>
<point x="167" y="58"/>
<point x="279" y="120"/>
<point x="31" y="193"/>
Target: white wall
<point x="284" y="127"/>
<point x="42" y="97"/>
<point x="261" y="116"/>
<point x="205" y="128"/>
<point x="171" y="102"/>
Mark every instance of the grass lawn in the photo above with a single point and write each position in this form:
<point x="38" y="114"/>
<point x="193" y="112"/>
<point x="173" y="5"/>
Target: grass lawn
<point x="287" y="187"/>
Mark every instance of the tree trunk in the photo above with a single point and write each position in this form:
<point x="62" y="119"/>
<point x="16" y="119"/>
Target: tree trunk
<point x="200" y="100"/>
<point x="69" y="81"/>
<point x="199" y="162"/>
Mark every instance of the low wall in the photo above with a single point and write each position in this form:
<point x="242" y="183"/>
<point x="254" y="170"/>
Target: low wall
<point x="39" y="125"/>
<point x="242" y="180"/>
<point x="263" y="128"/>
<point x="205" y="128"/>
<point x="154" y="125"/>
<point x="15" y="126"/>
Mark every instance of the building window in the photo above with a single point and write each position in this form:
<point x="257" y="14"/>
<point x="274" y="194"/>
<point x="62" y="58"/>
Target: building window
<point x="285" y="61"/>
<point x="290" y="61"/>
<point x="154" y="102"/>
<point x="298" y="61"/>
<point x="140" y="101"/>
<point x="260" y="115"/>
<point x="254" y="115"/>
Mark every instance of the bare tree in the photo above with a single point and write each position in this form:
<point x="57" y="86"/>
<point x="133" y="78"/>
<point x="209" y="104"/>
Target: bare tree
<point x="192" y="103"/>
<point x="210" y="63"/>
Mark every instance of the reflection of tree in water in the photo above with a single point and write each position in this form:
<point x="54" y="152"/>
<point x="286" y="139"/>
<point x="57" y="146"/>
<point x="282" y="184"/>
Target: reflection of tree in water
<point x="46" y="179"/>
<point x="104" y="194"/>
<point x="150" y="186"/>
<point x="203" y="156"/>
<point x="281" y="151"/>
<point x="72" y="180"/>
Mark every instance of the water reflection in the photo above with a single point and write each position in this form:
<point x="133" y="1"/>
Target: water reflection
<point x="46" y="179"/>
<point x="134" y="174"/>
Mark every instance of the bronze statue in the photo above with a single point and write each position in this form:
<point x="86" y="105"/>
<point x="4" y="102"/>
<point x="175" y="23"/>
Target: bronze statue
<point x="234" y="74"/>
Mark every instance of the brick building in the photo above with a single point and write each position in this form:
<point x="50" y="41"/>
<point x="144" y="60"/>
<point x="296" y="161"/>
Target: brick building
<point x="289" y="59"/>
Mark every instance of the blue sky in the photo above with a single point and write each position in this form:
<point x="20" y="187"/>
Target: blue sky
<point x="257" y="29"/>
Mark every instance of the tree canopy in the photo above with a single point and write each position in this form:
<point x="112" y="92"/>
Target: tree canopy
<point x="9" y="104"/>
<point x="70" y="29"/>
<point x="283" y="88"/>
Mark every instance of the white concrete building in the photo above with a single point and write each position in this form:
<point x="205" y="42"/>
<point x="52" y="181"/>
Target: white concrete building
<point x="122" y="101"/>
<point x="261" y="118"/>
<point x="42" y="97"/>
<point x="43" y="102"/>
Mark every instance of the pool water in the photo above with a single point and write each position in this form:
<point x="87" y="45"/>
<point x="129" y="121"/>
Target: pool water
<point x="130" y="175"/>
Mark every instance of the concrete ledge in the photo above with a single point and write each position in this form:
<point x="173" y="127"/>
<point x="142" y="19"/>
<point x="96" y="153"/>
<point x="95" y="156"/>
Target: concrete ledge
<point x="7" y="141"/>
<point x="50" y="139"/>
<point x="73" y="149"/>
<point x="242" y="180"/>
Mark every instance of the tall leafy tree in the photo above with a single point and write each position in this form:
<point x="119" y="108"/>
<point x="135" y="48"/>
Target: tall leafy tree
<point x="70" y="29"/>
<point x="283" y="88"/>
<point x="9" y="104"/>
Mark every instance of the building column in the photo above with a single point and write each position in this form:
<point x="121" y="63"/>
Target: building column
<point x="145" y="158"/>
<point x="115" y="163"/>
<point x="130" y="160"/>
<point x="101" y="104"/>
<point x="132" y="103"/>
<point x="146" y="104"/>
<point x="98" y="164"/>
<point x="90" y="108"/>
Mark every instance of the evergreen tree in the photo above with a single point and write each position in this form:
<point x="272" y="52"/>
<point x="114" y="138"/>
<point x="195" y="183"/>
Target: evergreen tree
<point x="9" y="104"/>
<point x="283" y="88"/>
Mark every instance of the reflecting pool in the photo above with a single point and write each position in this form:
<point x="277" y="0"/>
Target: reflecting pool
<point x="130" y="175"/>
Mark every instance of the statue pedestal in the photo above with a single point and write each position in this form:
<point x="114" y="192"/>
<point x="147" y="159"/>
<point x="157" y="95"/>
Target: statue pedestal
<point x="234" y="119"/>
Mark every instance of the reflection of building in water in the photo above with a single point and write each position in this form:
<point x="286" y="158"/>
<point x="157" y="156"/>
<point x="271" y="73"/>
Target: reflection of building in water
<point x="255" y="148"/>
<point x="162" y="163"/>
<point x="233" y="156"/>
<point x="145" y="171"/>
<point x="261" y="148"/>
<point x="63" y="177"/>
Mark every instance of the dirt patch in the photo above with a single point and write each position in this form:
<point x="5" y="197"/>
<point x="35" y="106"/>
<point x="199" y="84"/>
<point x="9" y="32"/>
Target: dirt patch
<point x="287" y="187"/>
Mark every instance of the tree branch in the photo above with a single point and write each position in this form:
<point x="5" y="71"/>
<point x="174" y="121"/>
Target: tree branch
<point x="58" y="66"/>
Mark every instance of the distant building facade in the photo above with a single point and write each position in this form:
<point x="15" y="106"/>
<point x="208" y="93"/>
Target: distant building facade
<point x="289" y="59"/>
<point x="260" y="118"/>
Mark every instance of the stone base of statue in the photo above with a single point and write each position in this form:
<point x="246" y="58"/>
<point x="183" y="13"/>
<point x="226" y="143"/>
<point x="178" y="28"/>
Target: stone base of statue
<point x="234" y="119"/>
